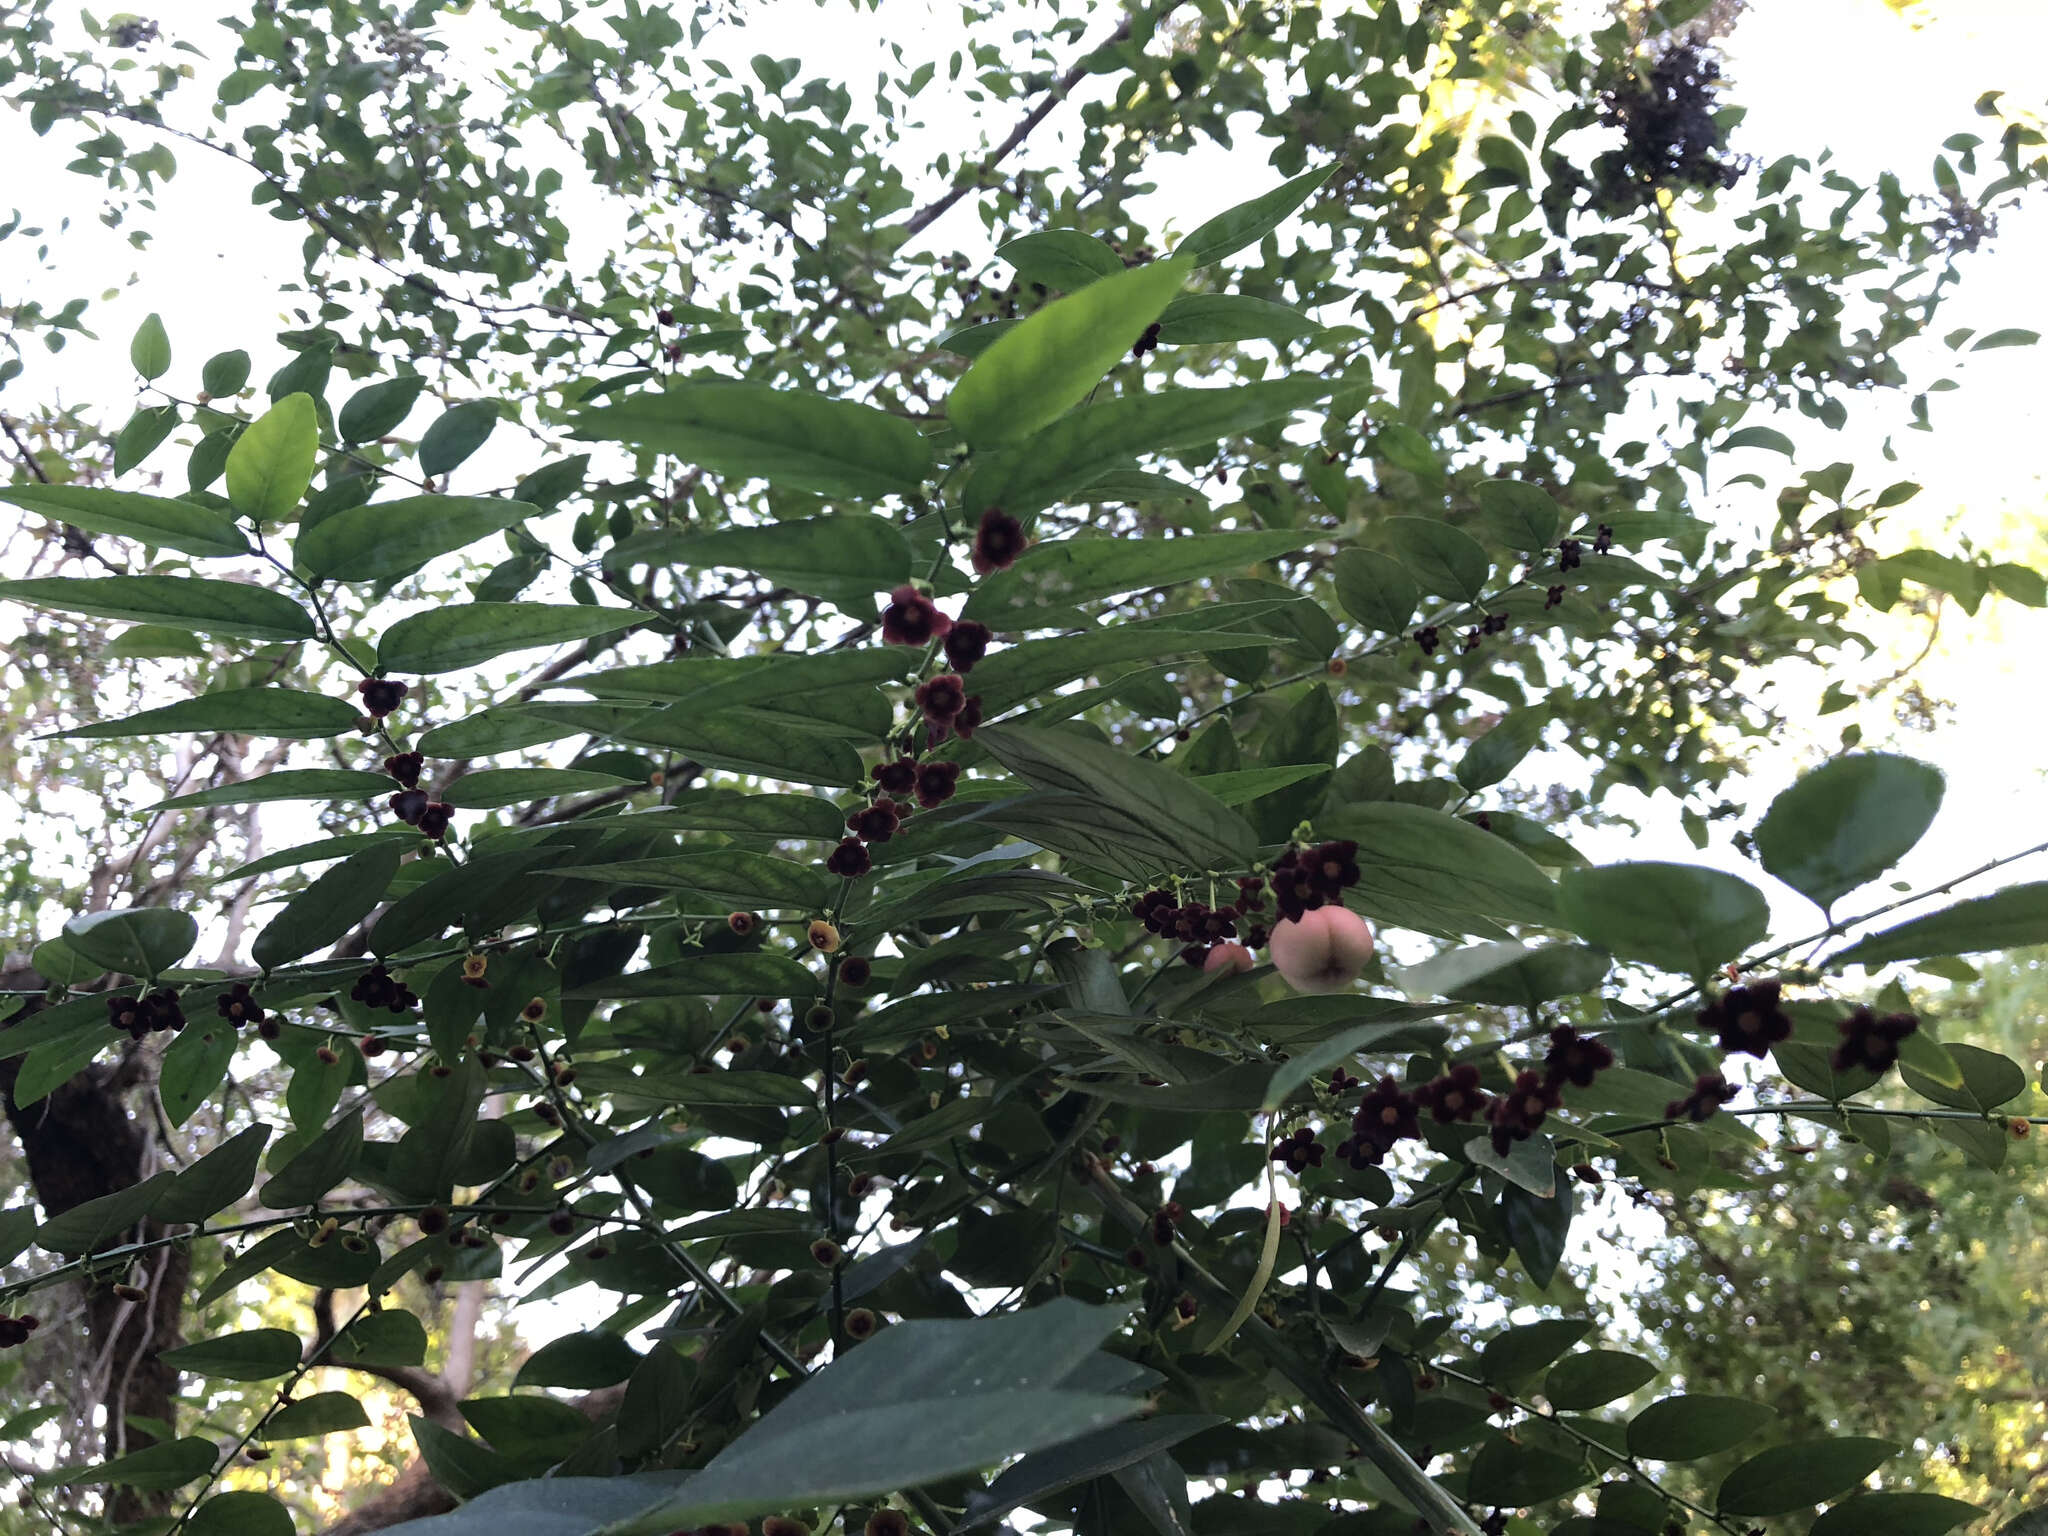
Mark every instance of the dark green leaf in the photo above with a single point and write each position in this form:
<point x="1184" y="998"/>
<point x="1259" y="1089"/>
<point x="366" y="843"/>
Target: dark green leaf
<point x="1010" y="676"/>
<point x="1895" y="1514"/>
<point x="170" y="1464"/>
<point x="143" y="435"/>
<point x="1037" y="372"/>
<point x="271" y="464"/>
<point x="1537" y="1225"/>
<point x="1417" y="862"/>
<point x="466" y="634"/>
<point x="231" y="609"/>
<point x="154" y="520"/>
<point x="257" y="1355"/>
<point x="1445" y="561"/>
<point x="1250" y="222"/>
<point x="456" y="434"/>
<point x="1510" y="1357"/>
<point x="381" y="1338"/>
<point x="797" y="440"/>
<point x="1505" y="1472"/>
<point x="323" y="1163"/>
<point x="2013" y="918"/>
<point x="531" y="1428"/>
<point x="1066" y="259"/>
<point x="137" y="941"/>
<point x="1376" y="590"/>
<point x="727" y="739"/>
<point x="1800" y="1475"/>
<point x="1846" y="823"/>
<point x="225" y="374"/>
<point x="194" y="1066"/>
<point x="582" y="1361"/>
<point x="388" y="539"/>
<point x="489" y="788"/>
<point x="1594" y="1378"/>
<point x="758" y="975"/>
<point x="328" y="908"/>
<point x="377" y="409"/>
<point x="216" y="1181"/>
<point x="1044" y="1473"/>
<point x="1689" y="1427"/>
<point x="1496" y="754"/>
<point x="242" y="1513"/>
<point x="743" y="879"/>
<point x="281" y="712"/>
<point x="1988" y="1079"/>
<point x="1198" y="318"/>
<point x="287" y="784"/>
<point x="845" y="557"/>
<point x="85" y="1227"/>
<point x="1521" y="516"/>
<point x="324" y="1413"/>
<point x="1675" y="916"/>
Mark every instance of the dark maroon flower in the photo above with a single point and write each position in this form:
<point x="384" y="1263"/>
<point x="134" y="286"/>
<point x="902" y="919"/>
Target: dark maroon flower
<point x="1454" y="1096"/>
<point x="1251" y="894"/>
<point x="1871" y="1040"/>
<point x="238" y="1007"/>
<point x="1384" y="1116"/>
<point x="1553" y="597"/>
<point x="1575" y="1058"/>
<point x="159" y="1010"/>
<point x="1330" y="868"/>
<point x="381" y="695"/>
<point x="968" y="721"/>
<point x="936" y="782"/>
<point x="1517" y="1114"/>
<point x="1342" y="1082"/>
<point x="1300" y="1151"/>
<point x="378" y="988"/>
<point x="1603" y="539"/>
<point x="1749" y="1020"/>
<point x="14" y="1331"/>
<point x="405" y="767"/>
<point x="998" y="541"/>
<point x="855" y="971"/>
<point x="942" y="698"/>
<point x="1710" y="1090"/>
<point x="1426" y="638"/>
<point x="125" y="1013"/>
<point x="966" y="644"/>
<point x="409" y="805"/>
<point x="665" y="316"/>
<point x="850" y="858"/>
<point x="912" y="618"/>
<point x="1568" y="555"/>
<point x="1148" y="342"/>
<point x="875" y="823"/>
<point x="1296" y="885"/>
<point x="435" y="818"/>
<point x="898" y="777"/>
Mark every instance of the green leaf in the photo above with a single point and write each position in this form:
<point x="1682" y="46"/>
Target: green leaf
<point x="2013" y="918"/>
<point x="281" y="712"/>
<point x="1800" y="1475"/>
<point x="381" y="1338"/>
<point x="1010" y="676"/>
<point x="324" y="1413"/>
<point x="245" y="1512"/>
<point x="152" y="642"/>
<point x="170" y="1464"/>
<point x="193" y="1067"/>
<point x="1188" y="827"/>
<point x="1065" y="259"/>
<point x="794" y="439"/>
<point x="1044" y="1473"/>
<point x="742" y="742"/>
<point x="456" y="434"/>
<point x="531" y="1428"/>
<point x="87" y="1226"/>
<point x="1895" y="1514"/>
<point x="216" y="1181"/>
<point x="154" y="520"/>
<point x="1677" y="917"/>
<point x="1496" y="754"/>
<point x="489" y="788"/>
<point x="1415" y="863"/>
<point x="1376" y="590"/>
<point x="1067" y="459"/>
<point x="1036" y="373"/>
<point x="376" y="410"/>
<point x="580" y="1361"/>
<point x="1446" y="561"/>
<point x="225" y="374"/>
<point x="970" y="341"/>
<point x="328" y="908"/>
<point x="1196" y="319"/>
<point x="1594" y="1378"/>
<point x="1759" y="437"/>
<point x="1692" y="1426"/>
<point x="1314" y="1060"/>
<point x="1986" y="1079"/>
<point x="730" y="875"/>
<point x="1250" y="222"/>
<point x="287" y="784"/>
<point x="758" y="975"/>
<point x="137" y="941"/>
<point x="466" y="634"/>
<point x="1051" y="577"/>
<point x="143" y="435"/>
<point x="1846" y="823"/>
<point x="389" y="539"/>
<point x="257" y="1355"/>
<point x="233" y="609"/>
<point x="2014" y="337"/>
<point x="1521" y="1352"/>
<point x="150" y="351"/>
<point x="1509" y="1473"/>
<point x="1530" y="1164"/>
<point x="321" y="1164"/>
<point x="845" y="558"/>
<point x="1520" y="515"/>
<point x="921" y="1401"/>
<point x="271" y="464"/>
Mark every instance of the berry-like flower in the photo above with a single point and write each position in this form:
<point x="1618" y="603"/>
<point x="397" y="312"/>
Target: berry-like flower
<point x="967" y="644"/>
<point x="936" y="782"/>
<point x="1575" y="1058"/>
<point x="1426" y="638"/>
<point x="473" y="967"/>
<point x="887" y="1522"/>
<point x="897" y="777"/>
<point x="435" y="819"/>
<point x="409" y="805"/>
<point x="535" y="1010"/>
<point x="1553" y="597"/>
<point x="826" y="1253"/>
<point x="1299" y="1152"/>
<point x="381" y="695"/>
<point x="159" y="1010"/>
<point x="1331" y="868"/>
<point x="822" y="937"/>
<point x="783" y="1525"/>
<point x="378" y="988"/>
<point x="742" y="924"/>
<point x="405" y="767"/>
<point x="942" y="698"/>
<point x="968" y="721"/>
<point x="998" y="541"/>
<point x="1517" y="1114"/>
<point x="911" y="618"/>
<point x="14" y="1331"/>
<point x="238" y="1006"/>
<point x="126" y="1013"/>
<point x="1871" y="1040"/>
<point x="1384" y="1116"/>
<point x="855" y="972"/>
<point x="850" y="858"/>
<point x="1568" y="554"/>
<point x="860" y="1324"/>
<point x="1455" y="1096"/>
<point x="1748" y="1020"/>
<point x="876" y="823"/>
<point x="372" y="1046"/>
<point x="1710" y="1090"/>
<point x="1603" y="539"/>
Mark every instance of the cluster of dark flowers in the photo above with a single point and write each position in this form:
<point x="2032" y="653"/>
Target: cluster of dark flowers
<point x="1388" y="1113"/>
<point x="147" y="1014"/>
<point x="1671" y="135"/>
<point x="413" y="805"/>
<point x="378" y="988"/>
<point x="1749" y="1019"/>
<point x="1149" y="342"/>
<point x="1202" y="927"/>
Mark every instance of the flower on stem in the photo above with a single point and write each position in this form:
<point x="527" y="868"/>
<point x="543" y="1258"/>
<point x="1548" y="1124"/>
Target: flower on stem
<point x="998" y="540"/>
<point x="911" y="618"/>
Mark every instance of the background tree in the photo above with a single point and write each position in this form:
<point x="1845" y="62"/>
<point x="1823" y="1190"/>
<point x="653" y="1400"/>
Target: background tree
<point x="1521" y="322"/>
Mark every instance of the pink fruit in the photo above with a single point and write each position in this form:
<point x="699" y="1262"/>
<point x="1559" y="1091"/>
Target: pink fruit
<point x="1322" y="952"/>
<point x="1228" y="957"/>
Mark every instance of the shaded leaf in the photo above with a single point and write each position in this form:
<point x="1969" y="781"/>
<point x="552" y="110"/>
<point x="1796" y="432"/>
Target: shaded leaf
<point x="234" y="610"/>
<point x="1847" y="822"/>
<point x="466" y="634"/>
<point x="154" y="520"/>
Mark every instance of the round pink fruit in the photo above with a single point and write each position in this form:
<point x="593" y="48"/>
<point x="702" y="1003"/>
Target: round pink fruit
<point x="1228" y="957"/>
<point x="1322" y="952"/>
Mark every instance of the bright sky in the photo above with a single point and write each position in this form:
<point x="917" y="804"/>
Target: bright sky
<point x="1879" y="90"/>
